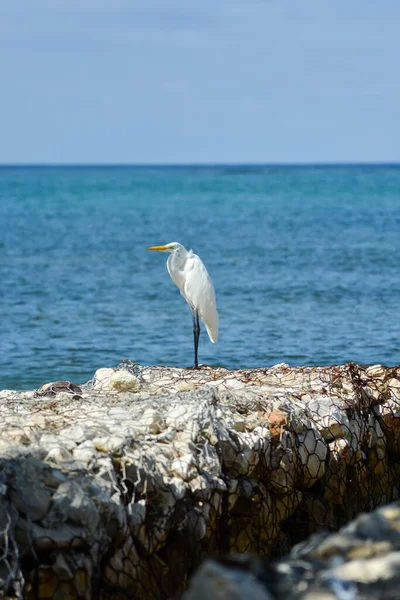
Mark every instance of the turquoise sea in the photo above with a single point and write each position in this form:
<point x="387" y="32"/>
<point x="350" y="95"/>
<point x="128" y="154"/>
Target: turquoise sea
<point x="305" y="262"/>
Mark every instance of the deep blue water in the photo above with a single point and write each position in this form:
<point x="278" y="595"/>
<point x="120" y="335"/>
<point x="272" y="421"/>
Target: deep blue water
<point x="305" y="262"/>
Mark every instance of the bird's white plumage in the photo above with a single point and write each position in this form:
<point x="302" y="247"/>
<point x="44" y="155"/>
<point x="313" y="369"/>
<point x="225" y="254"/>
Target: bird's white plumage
<point x="194" y="282"/>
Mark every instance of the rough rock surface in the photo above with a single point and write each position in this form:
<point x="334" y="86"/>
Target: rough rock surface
<point x="123" y="485"/>
<point x="360" y="562"/>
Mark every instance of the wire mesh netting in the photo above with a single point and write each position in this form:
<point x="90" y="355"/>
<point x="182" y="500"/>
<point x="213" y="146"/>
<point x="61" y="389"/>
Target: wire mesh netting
<point x="119" y="488"/>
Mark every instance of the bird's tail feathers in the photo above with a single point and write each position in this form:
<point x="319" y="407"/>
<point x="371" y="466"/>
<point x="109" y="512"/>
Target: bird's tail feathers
<point x="212" y="333"/>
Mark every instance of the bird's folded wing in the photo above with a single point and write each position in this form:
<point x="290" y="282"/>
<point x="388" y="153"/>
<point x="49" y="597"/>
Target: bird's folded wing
<point x="200" y="294"/>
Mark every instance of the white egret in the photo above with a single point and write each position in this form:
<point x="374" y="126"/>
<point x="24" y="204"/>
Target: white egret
<point x="191" y="276"/>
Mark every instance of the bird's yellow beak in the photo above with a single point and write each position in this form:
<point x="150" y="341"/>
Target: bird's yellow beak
<point x="161" y="248"/>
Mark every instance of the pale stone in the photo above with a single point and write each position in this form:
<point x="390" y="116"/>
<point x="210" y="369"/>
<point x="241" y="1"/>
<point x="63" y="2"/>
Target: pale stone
<point x="6" y="446"/>
<point x="152" y="420"/>
<point x="58" y="454"/>
<point x="108" y="443"/>
<point x="369" y="571"/>
<point x="49" y="440"/>
<point x="102" y="379"/>
<point x="178" y="488"/>
<point x="85" y="454"/>
<point x="124" y="381"/>
<point x="393" y="383"/>
<point x="235" y="384"/>
<point x="63" y="397"/>
<point x="119" y="414"/>
<point x="17" y="436"/>
<point x="186" y="386"/>
<point x="7" y="394"/>
<point x="201" y="487"/>
<point x="375" y="371"/>
<point x="75" y="433"/>
<point x="184" y="467"/>
<point x="38" y="420"/>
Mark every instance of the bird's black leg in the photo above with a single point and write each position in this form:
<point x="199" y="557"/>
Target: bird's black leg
<point x="196" y="334"/>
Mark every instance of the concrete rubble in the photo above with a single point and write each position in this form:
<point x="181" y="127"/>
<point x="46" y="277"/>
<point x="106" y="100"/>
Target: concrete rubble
<point x="125" y="484"/>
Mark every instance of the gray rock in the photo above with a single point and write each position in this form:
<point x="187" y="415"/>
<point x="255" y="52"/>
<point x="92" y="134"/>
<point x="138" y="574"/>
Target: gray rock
<point x="215" y="582"/>
<point x="71" y="503"/>
<point x="32" y="536"/>
<point x="62" y="569"/>
<point x="29" y="493"/>
<point x="152" y="468"/>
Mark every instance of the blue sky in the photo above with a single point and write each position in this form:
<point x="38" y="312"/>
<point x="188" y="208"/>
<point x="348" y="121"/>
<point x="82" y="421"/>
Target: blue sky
<point x="217" y="81"/>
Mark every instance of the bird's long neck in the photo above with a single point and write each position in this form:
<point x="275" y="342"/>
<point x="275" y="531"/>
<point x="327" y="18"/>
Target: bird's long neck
<point x="177" y="259"/>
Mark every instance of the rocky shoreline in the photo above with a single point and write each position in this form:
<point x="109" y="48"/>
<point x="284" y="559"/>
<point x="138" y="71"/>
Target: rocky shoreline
<point x="122" y="486"/>
<point x="360" y="562"/>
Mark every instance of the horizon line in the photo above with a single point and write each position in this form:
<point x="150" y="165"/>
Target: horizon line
<point x="200" y="164"/>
